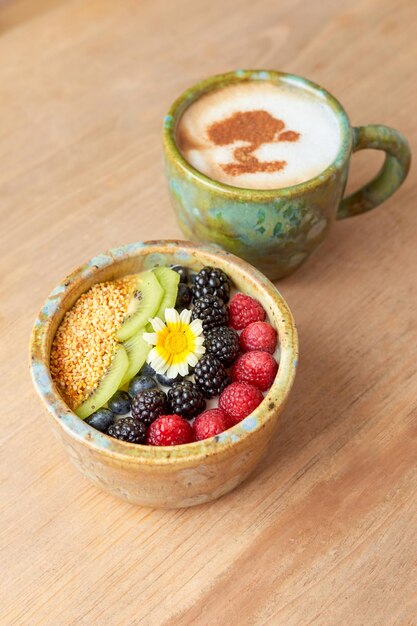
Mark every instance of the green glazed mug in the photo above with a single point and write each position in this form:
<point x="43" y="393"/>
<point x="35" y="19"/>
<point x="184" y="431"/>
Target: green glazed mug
<point x="277" y="229"/>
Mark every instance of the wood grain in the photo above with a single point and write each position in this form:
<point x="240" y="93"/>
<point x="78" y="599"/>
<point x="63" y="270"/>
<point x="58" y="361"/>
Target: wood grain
<point x="326" y="532"/>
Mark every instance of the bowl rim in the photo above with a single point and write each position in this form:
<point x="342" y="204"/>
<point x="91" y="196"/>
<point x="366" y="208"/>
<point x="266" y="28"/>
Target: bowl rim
<point x="78" y="429"/>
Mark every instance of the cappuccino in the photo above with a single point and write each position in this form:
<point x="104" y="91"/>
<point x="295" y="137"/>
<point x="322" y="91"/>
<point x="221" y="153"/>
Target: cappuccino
<point x="260" y="134"/>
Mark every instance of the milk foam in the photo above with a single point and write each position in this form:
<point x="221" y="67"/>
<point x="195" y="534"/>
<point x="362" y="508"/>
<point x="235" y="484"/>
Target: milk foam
<point x="313" y="145"/>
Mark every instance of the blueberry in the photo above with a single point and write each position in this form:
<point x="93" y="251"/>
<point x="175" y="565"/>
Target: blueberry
<point x="120" y="403"/>
<point x="147" y="370"/>
<point x="101" y="420"/>
<point x="182" y="271"/>
<point x="141" y="383"/>
<point x="168" y="382"/>
<point x="184" y="297"/>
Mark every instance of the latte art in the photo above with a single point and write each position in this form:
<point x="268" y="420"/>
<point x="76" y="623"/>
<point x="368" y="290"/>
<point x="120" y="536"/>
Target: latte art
<point x="256" y="128"/>
<point x="259" y="135"/>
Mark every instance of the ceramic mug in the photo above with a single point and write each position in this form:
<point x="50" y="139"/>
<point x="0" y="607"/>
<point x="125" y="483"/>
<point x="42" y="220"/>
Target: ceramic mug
<point x="277" y="229"/>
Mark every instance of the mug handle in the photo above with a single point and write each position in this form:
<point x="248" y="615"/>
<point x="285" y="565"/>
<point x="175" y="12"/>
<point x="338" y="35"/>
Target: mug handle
<point x="391" y="175"/>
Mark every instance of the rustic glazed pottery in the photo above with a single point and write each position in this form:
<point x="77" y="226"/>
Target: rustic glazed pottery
<point x="277" y="230"/>
<point x="177" y="476"/>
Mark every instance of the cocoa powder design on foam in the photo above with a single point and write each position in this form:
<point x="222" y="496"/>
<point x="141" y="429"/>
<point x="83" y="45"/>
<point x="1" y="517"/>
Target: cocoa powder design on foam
<point x="256" y="128"/>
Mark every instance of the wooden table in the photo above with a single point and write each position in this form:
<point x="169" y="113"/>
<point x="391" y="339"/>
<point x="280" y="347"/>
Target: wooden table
<point x="325" y="533"/>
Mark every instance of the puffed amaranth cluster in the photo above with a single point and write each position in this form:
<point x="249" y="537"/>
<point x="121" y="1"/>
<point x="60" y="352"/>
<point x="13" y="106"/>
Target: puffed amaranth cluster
<point x="85" y="341"/>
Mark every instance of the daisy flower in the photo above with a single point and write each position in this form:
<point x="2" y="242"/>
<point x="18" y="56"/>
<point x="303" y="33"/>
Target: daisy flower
<point x="178" y="343"/>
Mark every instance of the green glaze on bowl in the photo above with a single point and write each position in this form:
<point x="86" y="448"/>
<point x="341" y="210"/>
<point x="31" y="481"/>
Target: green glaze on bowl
<point x="176" y="476"/>
<point x="276" y="229"/>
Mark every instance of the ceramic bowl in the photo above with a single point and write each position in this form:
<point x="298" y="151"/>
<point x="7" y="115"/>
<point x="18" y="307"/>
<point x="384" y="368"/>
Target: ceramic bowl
<point x="177" y="476"/>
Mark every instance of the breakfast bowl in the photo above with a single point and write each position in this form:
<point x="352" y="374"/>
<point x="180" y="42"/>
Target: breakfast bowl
<point x="166" y="476"/>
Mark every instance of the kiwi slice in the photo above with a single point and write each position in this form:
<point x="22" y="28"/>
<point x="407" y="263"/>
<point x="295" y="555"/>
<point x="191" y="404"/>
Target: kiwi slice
<point x="107" y="386"/>
<point x="144" y="303"/>
<point x="137" y="350"/>
<point x="168" y="279"/>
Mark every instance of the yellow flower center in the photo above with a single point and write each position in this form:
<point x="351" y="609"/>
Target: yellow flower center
<point x="176" y="342"/>
<point x="173" y="344"/>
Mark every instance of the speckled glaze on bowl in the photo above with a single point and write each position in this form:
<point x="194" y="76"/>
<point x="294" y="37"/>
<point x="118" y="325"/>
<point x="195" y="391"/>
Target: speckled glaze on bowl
<point x="177" y="476"/>
<point x="276" y="230"/>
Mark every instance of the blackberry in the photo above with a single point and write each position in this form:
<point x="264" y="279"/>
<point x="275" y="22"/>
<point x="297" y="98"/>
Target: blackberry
<point x="148" y="405"/>
<point x="128" y="429"/>
<point x="211" y="281"/>
<point x="182" y="271"/>
<point x="184" y="297"/>
<point x="211" y="311"/>
<point x="210" y="376"/>
<point x="119" y="403"/>
<point x="223" y="343"/>
<point x="186" y="399"/>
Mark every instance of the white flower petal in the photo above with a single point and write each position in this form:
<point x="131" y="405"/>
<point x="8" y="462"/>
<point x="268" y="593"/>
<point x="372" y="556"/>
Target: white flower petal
<point x="185" y="316"/>
<point x="152" y="354"/>
<point x="197" y="327"/>
<point x="157" y="362"/>
<point x="157" y="324"/>
<point x="160" y="363"/>
<point x="199" y="341"/>
<point x="160" y="368"/>
<point x="150" y="338"/>
<point x="172" y="317"/>
<point x="183" y="369"/>
<point x="172" y="371"/>
<point x="199" y="350"/>
<point x="192" y="359"/>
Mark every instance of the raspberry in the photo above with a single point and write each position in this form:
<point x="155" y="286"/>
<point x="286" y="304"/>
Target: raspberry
<point x="169" y="430"/>
<point x="243" y="310"/>
<point x="238" y="400"/>
<point x="259" y="336"/>
<point x="257" y="368"/>
<point x="210" y="423"/>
